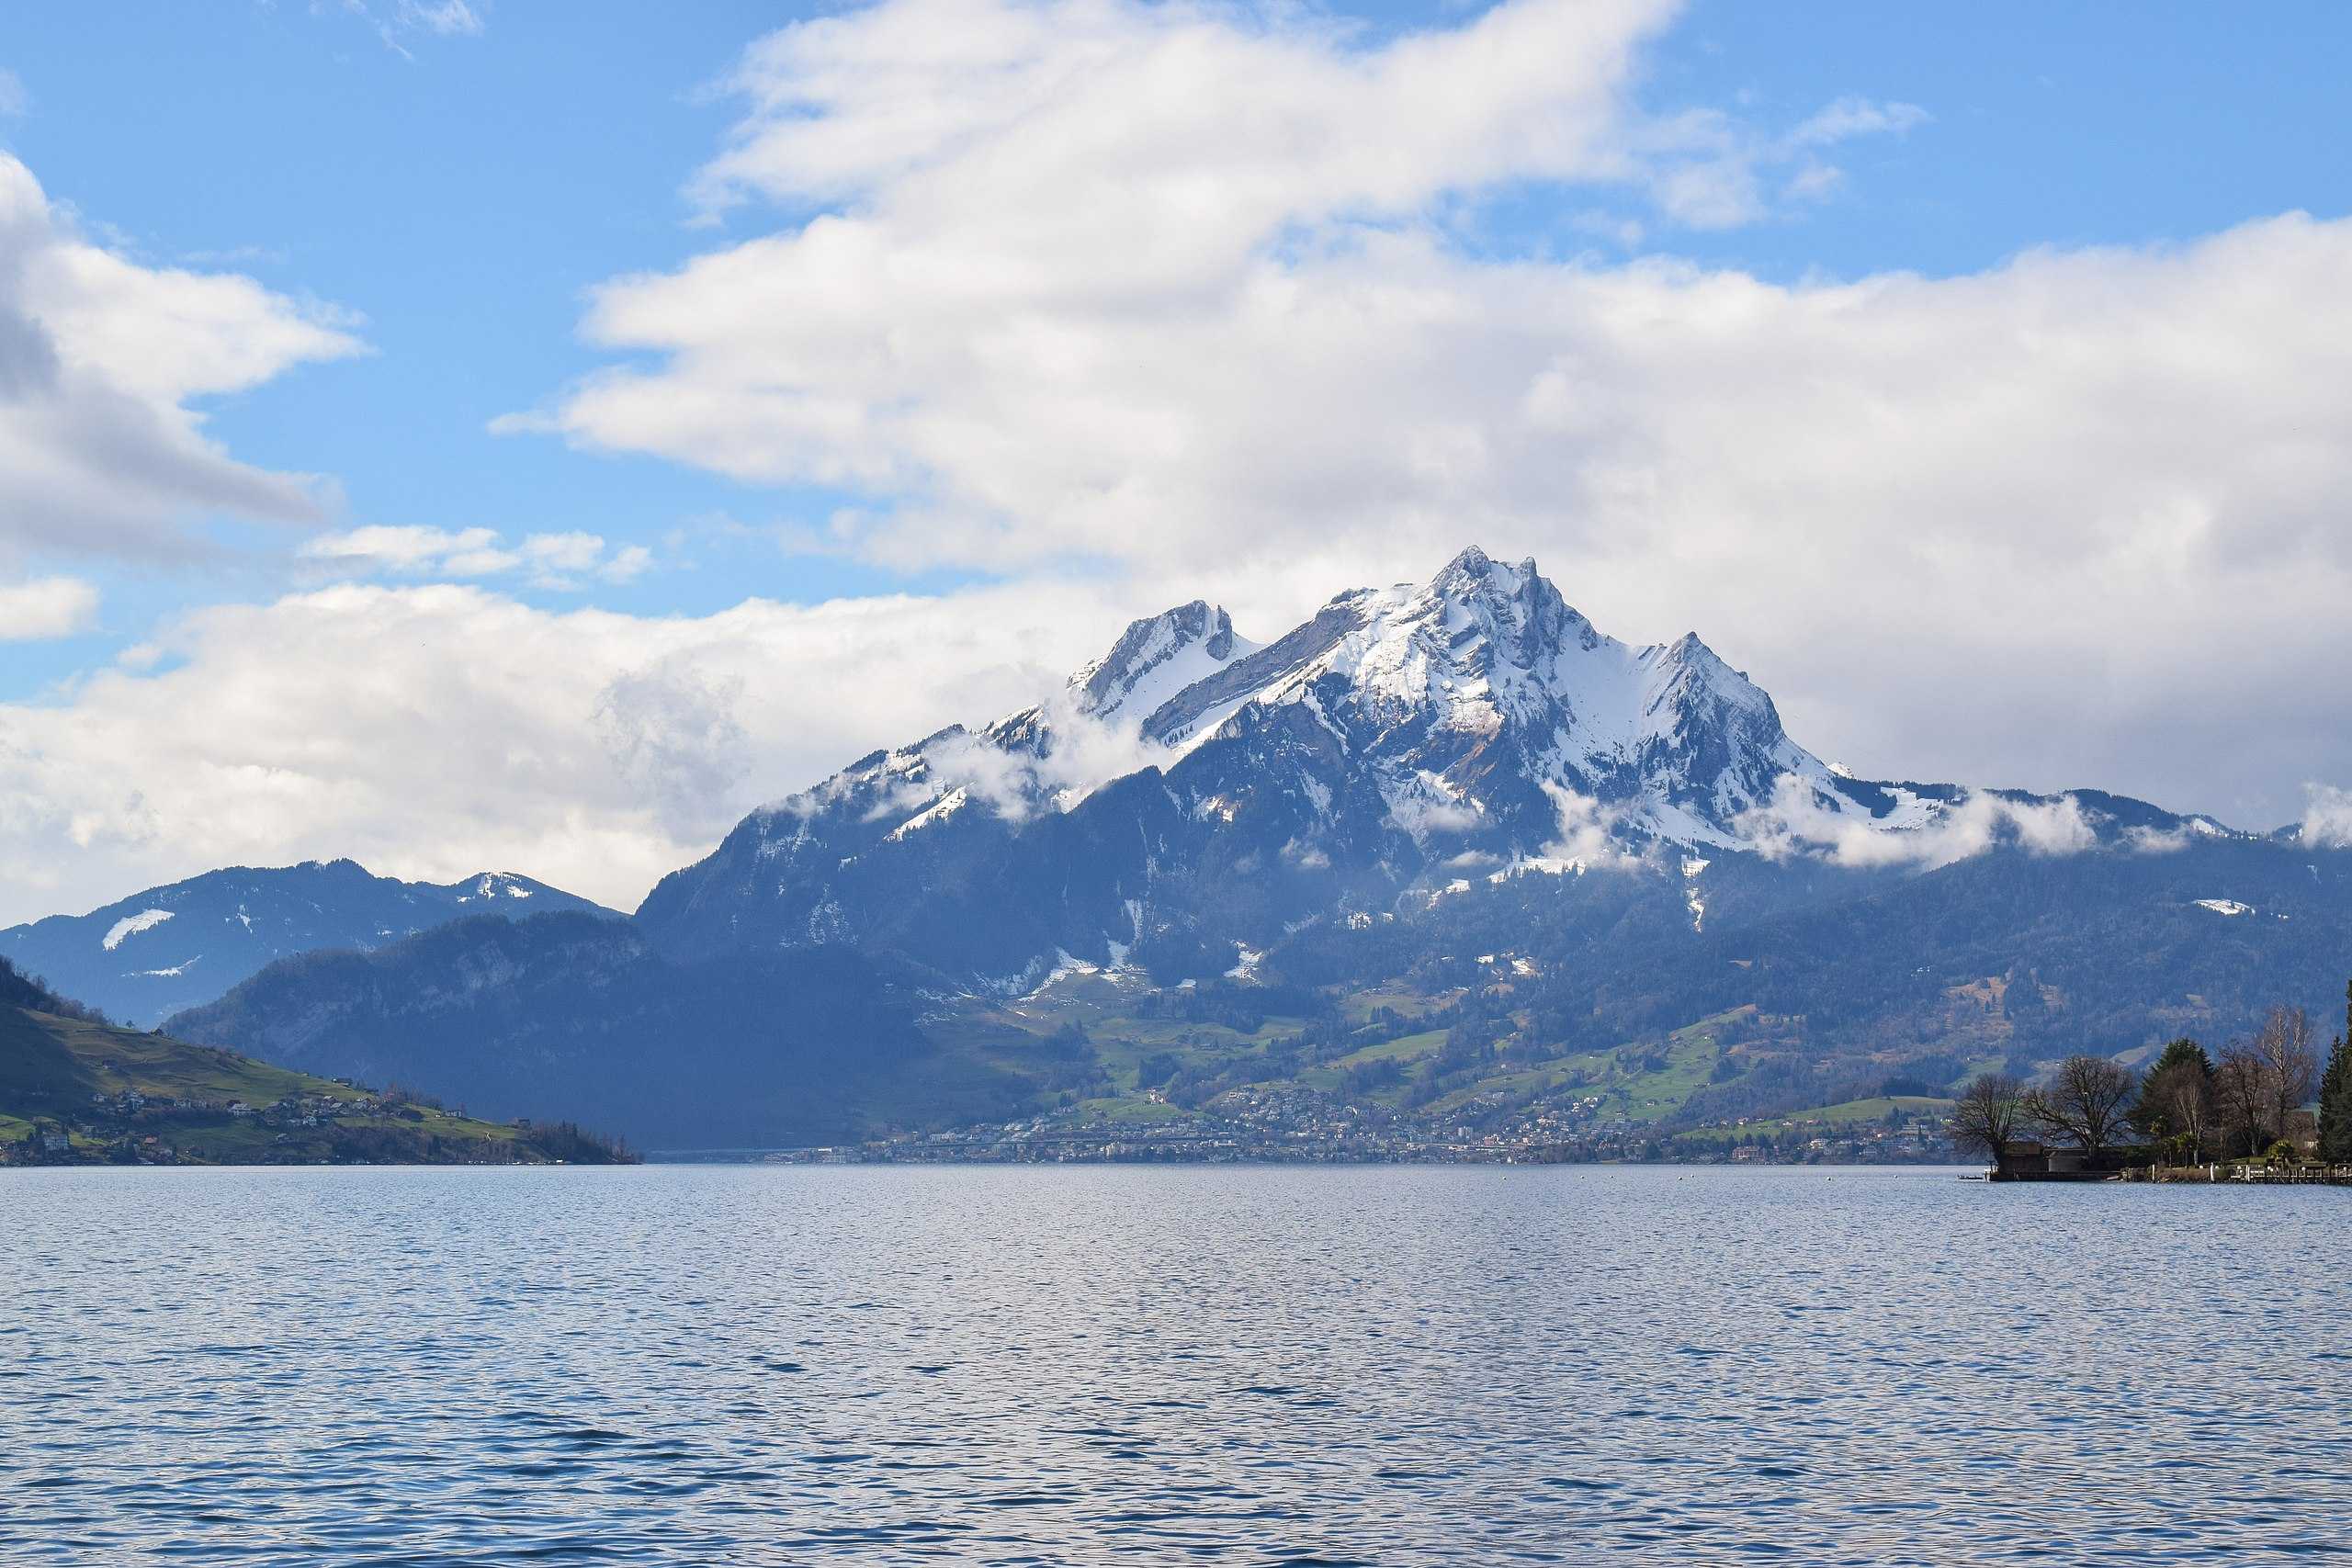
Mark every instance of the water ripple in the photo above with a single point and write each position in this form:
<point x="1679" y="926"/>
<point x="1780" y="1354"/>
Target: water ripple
<point x="1299" y="1367"/>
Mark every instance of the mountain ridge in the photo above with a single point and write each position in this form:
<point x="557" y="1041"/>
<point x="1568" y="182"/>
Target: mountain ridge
<point x="1442" y="857"/>
<point x="1397" y="735"/>
<point x="177" y="945"/>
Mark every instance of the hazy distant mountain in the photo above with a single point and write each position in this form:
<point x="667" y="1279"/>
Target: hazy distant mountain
<point x="142" y="958"/>
<point x="567" y="1015"/>
<point x="1444" y="852"/>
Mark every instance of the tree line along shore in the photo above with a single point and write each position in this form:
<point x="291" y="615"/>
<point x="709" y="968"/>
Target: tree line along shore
<point x="2264" y="1109"/>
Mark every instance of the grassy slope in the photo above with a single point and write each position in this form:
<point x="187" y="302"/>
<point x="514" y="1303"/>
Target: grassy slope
<point x="1620" y="1079"/>
<point x="49" y="1066"/>
<point x="1121" y="1041"/>
<point x="1826" y="1119"/>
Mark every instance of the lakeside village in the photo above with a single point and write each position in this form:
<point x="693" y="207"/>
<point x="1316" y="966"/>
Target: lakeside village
<point x="2263" y="1111"/>
<point x="1291" y="1125"/>
<point x="118" y="1127"/>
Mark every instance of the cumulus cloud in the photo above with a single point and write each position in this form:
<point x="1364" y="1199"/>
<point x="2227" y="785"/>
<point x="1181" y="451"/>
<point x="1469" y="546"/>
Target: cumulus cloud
<point x="2327" y="818"/>
<point x="546" y="560"/>
<point x="437" y="730"/>
<point x="1798" y="820"/>
<point x="46" y="607"/>
<point x="1185" y="293"/>
<point x="102" y="361"/>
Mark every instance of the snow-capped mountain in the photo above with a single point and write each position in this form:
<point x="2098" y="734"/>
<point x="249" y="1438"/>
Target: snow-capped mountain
<point x="145" y="957"/>
<point x="1467" y="695"/>
<point x="1457" y="796"/>
<point x="1192" y="793"/>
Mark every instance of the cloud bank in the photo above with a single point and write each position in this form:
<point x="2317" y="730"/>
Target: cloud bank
<point x="1160" y="287"/>
<point x="102" y="451"/>
<point x="435" y="730"/>
<point x="1796" y="821"/>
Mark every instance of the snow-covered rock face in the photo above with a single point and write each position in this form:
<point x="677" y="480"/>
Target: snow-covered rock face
<point x="1192" y="782"/>
<point x="1156" y="658"/>
<point x="1190" y="776"/>
<point x="1483" y="685"/>
<point x="1464" y="704"/>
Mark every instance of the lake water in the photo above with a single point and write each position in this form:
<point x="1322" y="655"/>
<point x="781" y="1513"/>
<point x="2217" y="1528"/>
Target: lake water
<point x="1388" y="1364"/>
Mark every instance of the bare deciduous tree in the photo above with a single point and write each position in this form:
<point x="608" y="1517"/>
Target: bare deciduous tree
<point x="2084" y="1103"/>
<point x="2180" y="1095"/>
<point x="2290" y="1065"/>
<point x="1986" y="1116"/>
<point x="2242" y="1096"/>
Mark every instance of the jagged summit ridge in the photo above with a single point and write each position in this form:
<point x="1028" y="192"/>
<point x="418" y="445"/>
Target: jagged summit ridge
<point x="1156" y="658"/>
<point x="1190" y="776"/>
<point x="1487" y="655"/>
<point x="1478" y="691"/>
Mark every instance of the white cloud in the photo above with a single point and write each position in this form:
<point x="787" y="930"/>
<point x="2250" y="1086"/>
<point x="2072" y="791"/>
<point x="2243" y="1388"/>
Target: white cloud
<point x="438" y="729"/>
<point x="384" y="547"/>
<point x="1796" y="820"/>
<point x="101" y="361"/>
<point x="1182" y="292"/>
<point x="2327" y="818"/>
<point x="2159" y="841"/>
<point x="46" y="607"/>
<point x="1083" y="755"/>
<point x="545" y="560"/>
<point x="448" y="19"/>
<point x="1709" y="171"/>
<point x="1856" y="116"/>
<point x="394" y="21"/>
<point x="1587" y="836"/>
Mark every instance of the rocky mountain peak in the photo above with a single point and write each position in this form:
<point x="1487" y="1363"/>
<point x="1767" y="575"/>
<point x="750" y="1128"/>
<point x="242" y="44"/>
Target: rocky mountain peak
<point x="1156" y="658"/>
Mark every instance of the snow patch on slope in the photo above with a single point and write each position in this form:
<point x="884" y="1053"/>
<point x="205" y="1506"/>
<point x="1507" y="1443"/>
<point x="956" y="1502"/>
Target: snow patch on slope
<point x="131" y="925"/>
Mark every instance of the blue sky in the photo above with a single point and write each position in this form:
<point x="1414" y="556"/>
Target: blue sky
<point x="457" y="193"/>
<point x="462" y="192"/>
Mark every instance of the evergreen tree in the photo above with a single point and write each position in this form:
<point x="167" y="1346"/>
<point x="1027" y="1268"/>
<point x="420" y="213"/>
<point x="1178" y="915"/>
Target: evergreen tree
<point x="2177" y="1102"/>
<point x="2336" y="1095"/>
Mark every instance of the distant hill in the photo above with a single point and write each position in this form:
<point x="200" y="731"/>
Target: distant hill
<point x="73" y="1090"/>
<point x="574" y="1016"/>
<point x="142" y="958"/>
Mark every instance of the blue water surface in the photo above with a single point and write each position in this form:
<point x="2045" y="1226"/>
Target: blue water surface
<point x="1246" y="1365"/>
